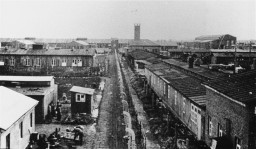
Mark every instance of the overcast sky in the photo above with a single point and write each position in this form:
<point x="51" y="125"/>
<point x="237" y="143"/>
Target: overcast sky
<point x="176" y="20"/>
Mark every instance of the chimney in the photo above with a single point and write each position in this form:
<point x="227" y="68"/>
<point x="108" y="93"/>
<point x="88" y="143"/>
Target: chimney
<point x="137" y="32"/>
<point x="190" y="61"/>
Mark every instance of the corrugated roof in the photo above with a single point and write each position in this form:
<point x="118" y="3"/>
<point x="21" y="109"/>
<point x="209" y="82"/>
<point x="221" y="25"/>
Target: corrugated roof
<point x="143" y="42"/>
<point x="77" y="52"/>
<point x="26" y="78"/>
<point x="240" y="87"/>
<point x="141" y="54"/>
<point x="189" y="87"/>
<point x="13" y="106"/>
<point x="84" y="90"/>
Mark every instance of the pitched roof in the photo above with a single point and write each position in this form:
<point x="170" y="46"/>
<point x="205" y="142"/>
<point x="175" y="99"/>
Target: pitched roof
<point x="143" y="42"/>
<point x="79" y="52"/>
<point x="27" y="42"/>
<point x="13" y="106"/>
<point x="84" y="90"/>
<point x="209" y="37"/>
<point x="141" y="54"/>
<point x="80" y="42"/>
<point x="106" y="41"/>
<point x="240" y="87"/>
<point x="196" y="71"/>
<point x="166" y="43"/>
<point x="26" y="78"/>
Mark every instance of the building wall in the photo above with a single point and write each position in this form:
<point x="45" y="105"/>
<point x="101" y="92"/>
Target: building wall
<point x="219" y="108"/>
<point x="16" y="141"/>
<point x="182" y="108"/>
<point x="46" y="61"/>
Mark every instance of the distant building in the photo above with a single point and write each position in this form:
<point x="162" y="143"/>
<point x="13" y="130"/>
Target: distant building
<point x="82" y="100"/>
<point x="43" y="59"/>
<point x="142" y="44"/>
<point x="40" y="88"/>
<point x="17" y="119"/>
<point x="77" y="44"/>
<point x="225" y="41"/>
<point x="231" y="111"/>
<point x="166" y="47"/>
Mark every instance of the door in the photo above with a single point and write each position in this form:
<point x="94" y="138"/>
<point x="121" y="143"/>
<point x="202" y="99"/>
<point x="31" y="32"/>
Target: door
<point x="8" y="142"/>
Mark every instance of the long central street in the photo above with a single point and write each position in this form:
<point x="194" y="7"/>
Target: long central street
<point x="109" y="130"/>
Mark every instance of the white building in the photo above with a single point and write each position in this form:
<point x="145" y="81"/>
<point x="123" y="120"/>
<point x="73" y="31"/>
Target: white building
<point x="17" y="119"/>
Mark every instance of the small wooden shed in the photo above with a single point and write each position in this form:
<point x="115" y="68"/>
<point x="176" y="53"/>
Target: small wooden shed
<point x="81" y="100"/>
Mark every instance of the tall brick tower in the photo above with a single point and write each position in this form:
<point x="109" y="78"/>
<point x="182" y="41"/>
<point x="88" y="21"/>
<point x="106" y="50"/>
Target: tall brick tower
<point x="137" y="32"/>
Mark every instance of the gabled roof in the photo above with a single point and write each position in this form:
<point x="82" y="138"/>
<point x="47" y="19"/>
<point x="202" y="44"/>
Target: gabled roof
<point x="83" y="90"/>
<point x="141" y="54"/>
<point x="77" y="52"/>
<point x="13" y="106"/>
<point x="143" y="42"/>
<point x="240" y="87"/>
<point x="26" y="78"/>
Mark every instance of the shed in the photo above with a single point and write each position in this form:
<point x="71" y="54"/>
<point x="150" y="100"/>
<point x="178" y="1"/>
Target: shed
<point x="81" y="100"/>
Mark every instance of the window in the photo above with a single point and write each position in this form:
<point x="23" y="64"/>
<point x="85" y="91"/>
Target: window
<point x="184" y="105"/>
<point x="175" y="98"/>
<point x="210" y="126"/>
<point x="53" y="62"/>
<point x="238" y="143"/>
<point x="64" y="62"/>
<point x="164" y="89"/>
<point x="220" y="131"/>
<point x="194" y="114"/>
<point x="31" y="119"/>
<point x="38" y="62"/>
<point x="27" y="62"/>
<point x="12" y="63"/>
<point x="80" y="97"/>
<point x="79" y="62"/>
<point x="169" y="91"/>
<point x="21" y="129"/>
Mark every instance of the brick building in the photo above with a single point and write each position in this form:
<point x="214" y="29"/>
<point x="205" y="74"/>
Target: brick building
<point x="43" y="59"/>
<point x="231" y="110"/>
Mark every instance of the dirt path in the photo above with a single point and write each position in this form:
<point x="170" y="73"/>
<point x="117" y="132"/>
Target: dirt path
<point x="109" y="131"/>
